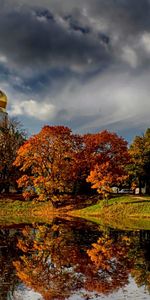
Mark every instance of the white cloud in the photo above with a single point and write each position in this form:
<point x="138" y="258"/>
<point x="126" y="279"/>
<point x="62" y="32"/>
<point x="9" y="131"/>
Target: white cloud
<point x="129" y="56"/>
<point x="145" y="41"/>
<point x="115" y="96"/>
<point x="111" y="97"/>
<point x="3" y="59"/>
<point x="42" y="111"/>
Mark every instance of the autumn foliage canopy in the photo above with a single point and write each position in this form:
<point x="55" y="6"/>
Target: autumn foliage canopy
<point x="49" y="161"/>
<point x="108" y="158"/>
<point x="56" y="161"/>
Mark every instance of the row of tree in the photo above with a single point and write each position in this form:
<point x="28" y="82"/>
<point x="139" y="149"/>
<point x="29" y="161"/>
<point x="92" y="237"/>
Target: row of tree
<point x="55" y="161"/>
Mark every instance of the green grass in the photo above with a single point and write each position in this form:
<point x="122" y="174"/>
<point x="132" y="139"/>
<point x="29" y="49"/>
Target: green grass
<point x="123" y="212"/>
<point x="126" y="205"/>
<point x="19" y="211"/>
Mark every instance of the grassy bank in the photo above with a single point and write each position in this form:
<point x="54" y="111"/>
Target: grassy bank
<point x="20" y="211"/>
<point x="133" y="206"/>
<point x="126" y="211"/>
<point x="118" y="209"/>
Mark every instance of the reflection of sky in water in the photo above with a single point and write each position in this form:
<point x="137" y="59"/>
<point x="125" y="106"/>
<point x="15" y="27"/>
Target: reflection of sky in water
<point x="21" y="292"/>
<point x="129" y="292"/>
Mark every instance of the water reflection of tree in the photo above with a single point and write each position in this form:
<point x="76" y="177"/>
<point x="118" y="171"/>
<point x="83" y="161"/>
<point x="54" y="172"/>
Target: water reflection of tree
<point x="8" y="277"/>
<point x="112" y="261"/>
<point x="56" y="260"/>
<point x="141" y="268"/>
<point x="61" y="258"/>
<point x="52" y="262"/>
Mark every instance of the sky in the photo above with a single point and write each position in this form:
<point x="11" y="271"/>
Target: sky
<point x="84" y="64"/>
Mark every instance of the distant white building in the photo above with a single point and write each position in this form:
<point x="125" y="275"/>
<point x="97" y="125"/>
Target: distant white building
<point x="115" y="189"/>
<point x="143" y="190"/>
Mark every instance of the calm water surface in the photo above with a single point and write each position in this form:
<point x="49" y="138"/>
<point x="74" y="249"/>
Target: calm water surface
<point x="73" y="260"/>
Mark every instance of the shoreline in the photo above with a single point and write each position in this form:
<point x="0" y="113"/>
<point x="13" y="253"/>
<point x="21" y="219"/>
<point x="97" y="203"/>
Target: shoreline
<point x="119" y="210"/>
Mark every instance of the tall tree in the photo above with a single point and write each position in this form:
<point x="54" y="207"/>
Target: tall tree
<point x="12" y="137"/>
<point x="49" y="160"/>
<point x="108" y="156"/>
<point x="139" y="168"/>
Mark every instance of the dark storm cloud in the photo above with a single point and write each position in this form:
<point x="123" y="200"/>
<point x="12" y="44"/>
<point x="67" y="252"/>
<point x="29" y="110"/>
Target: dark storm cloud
<point x="88" y="60"/>
<point x="34" y="37"/>
<point x="81" y="36"/>
<point x="74" y="24"/>
<point x="126" y="14"/>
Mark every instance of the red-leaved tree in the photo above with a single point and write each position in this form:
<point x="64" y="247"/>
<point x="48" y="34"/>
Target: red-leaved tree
<point x="107" y="156"/>
<point x="50" y="163"/>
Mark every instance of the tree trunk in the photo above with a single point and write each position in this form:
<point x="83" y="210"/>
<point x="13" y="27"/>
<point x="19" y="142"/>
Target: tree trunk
<point x="140" y="186"/>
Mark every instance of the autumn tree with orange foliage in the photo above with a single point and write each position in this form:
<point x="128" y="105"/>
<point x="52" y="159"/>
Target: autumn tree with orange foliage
<point x="108" y="156"/>
<point x="50" y="163"/>
<point x="55" y="161"/>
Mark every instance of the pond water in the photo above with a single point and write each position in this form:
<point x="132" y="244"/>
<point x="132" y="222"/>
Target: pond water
<point x="75" y="260"/>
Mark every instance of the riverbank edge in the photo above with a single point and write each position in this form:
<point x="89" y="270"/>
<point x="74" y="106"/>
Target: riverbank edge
<point x="118" y="208"/>
<point x="128" y="206"/>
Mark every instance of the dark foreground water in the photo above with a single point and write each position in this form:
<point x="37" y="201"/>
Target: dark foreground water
<point x="73" y="260"/>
